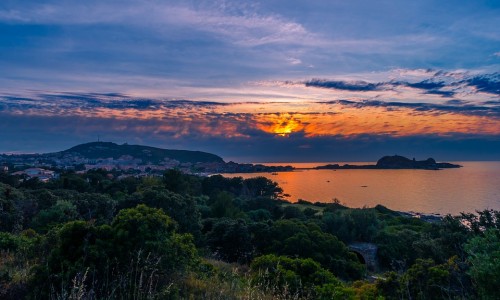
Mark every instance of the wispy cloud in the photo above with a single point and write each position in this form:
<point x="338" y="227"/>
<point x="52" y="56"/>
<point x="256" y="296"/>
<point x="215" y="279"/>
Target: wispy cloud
<point x="490" y="109"/>
<point x="238" y="23"/>
<point x="294" y="61"/>
<point x="159" y="47"/>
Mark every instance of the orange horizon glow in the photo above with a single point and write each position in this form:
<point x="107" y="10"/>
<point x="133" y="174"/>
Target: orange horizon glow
<point x="309" y="119"/>
<point x="376" y="121"/>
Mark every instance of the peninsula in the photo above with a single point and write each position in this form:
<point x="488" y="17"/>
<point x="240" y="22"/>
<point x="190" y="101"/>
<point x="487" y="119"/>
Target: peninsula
<point x="396" y="162"/>
<point x="133" y="159"/>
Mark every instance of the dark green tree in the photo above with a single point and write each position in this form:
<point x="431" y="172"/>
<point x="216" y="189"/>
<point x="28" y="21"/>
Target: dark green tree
<point x="484" y="257"/>
<point x="140" y="240"/>
<point x="230" y="240"/>
<point x="261" y="187"/>
<point x="294" y="238"/>
<point x="11" y="218"/>
<point x="182" y="208"/>
<point x="298" y="275"/>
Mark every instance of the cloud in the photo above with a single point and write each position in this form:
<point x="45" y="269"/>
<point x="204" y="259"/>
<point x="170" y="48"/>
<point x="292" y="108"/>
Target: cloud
<point x="176" y="48"/>
<point x="32" y="133"/>
<point x="57" y="102"/>
<point x="493" y="102"/>
<point x="294" y="61"/>
<point x="452" y="106"/>
<point x="489" y="83"/>
<point x="441" y="83"/>
<point x="468" y="93"/>
<point x="424" y="85"/>
<point x="239" y="23"/>
<point x="428" y="87"/>
<point x="251" y="129"/>
<point x="457" y="102"/>
<point x="447" y="94"/>
<point x="194" y="119"/>
<point x="344" y="85"/>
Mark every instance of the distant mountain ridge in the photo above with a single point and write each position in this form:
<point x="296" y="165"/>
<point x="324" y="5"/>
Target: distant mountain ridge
<point x="95" y="150"/>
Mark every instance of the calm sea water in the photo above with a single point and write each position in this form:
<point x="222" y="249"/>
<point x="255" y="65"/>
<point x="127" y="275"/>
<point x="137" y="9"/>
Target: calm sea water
<point x="476" y="186"/>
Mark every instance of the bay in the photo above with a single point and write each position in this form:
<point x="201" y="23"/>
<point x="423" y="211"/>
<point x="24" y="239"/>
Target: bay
<point x="476" y="186"/>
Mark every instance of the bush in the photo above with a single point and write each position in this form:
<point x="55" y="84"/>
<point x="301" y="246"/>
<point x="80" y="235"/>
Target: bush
<point x="300" y="276"/>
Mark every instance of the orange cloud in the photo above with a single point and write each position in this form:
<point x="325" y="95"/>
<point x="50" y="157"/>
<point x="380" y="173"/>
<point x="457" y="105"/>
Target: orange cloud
<point x="376" y="121"/>
<point x="241" y="120"/>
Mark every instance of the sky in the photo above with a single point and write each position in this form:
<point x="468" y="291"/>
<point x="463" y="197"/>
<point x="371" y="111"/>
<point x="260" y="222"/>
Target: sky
<point x="254" y="81"/>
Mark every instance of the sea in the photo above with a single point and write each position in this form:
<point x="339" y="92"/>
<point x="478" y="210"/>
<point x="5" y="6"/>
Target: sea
<point x="475" y="186"/>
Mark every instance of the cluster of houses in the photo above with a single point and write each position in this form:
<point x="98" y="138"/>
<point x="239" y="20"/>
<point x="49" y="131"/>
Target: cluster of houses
<point x="127" y="162"/>
<point x="42" y="175"/>
<point x="38" y="166"/>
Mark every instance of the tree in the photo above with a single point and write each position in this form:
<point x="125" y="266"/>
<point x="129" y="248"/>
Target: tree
<point x="261" y="186"/>
<point x="352" y="224"/>
<point x="293" y="212"/>
<point x="223" y="206"/>
<point x="174" y="180"/>
<point x="294" y="238"/>
<point x="72" y="182"/>
<point x="484" y="257"/>
<point x="483" y="220"/>
<point x="259" y="215"/>
<point x="298" y="275"/>
<point x="11" y="218"/>
<point x="62" y="212"/>
<point x="140" y="241"/>
<point x="396" y="248"/>
<point x="152" y="231"/>
<point x="95" y="206"/>
<point x="230" y="240"/>
<point x="181" y="208"/>
<point x="217" y="183"/>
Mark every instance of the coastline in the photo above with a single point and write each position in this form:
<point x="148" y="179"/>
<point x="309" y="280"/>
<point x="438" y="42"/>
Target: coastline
<point x="472" y="187"/>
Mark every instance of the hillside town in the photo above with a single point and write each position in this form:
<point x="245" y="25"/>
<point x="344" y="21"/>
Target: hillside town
<point x="45" y="167"/>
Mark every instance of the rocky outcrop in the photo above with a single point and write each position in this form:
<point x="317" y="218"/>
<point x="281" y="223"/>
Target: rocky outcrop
<point x="396" y="162"/>
<point x="401" y="162"/>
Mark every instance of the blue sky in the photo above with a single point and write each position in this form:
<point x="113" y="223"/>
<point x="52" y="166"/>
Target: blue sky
<point x="429" y="54"/>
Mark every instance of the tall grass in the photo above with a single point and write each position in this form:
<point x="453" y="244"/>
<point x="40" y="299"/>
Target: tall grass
<point x="140" y="281"/>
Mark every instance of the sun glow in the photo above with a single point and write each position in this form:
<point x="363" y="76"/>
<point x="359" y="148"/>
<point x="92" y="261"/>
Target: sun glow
<point x="280" y="124"/>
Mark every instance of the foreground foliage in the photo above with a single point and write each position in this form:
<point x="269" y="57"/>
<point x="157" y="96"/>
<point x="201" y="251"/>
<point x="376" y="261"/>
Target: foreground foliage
<point x="186" y="237"/>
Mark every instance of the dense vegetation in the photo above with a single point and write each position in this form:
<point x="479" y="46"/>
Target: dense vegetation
<point x="185" y="237"/>
<point x="97" y="150"/>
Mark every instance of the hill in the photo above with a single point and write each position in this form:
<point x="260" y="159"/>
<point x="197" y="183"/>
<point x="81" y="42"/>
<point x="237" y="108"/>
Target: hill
<point x="97" y="150"/>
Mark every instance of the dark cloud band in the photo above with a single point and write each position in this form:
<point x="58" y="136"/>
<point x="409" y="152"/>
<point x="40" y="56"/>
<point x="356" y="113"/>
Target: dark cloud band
<point x="441" y="83"/>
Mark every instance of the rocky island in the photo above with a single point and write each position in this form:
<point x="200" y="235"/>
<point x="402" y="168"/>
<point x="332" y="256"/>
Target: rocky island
<point x="396" y="162"/>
